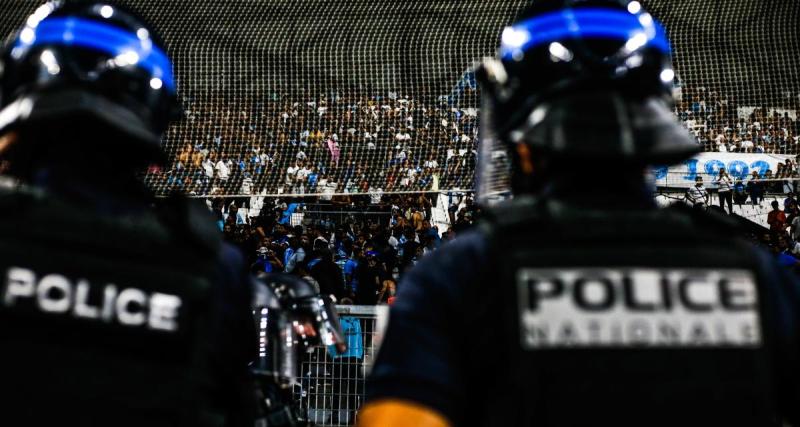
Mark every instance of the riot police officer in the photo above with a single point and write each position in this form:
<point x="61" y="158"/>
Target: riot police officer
<point x="579" y="302"/>
<point x="292" y="317"/>
<point x="111" y="312"/>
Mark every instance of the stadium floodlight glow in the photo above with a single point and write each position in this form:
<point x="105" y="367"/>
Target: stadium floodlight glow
<point x="637" y="30"/>
<point x="558" y="51"/>
<point x="27" y="35"/>
<point x="646" y="20"/>
<point x="156" y="83"/>
<point x="126" y="58"/>
<point x="634" y="61"/>
<point x="125" y="47"/>
<point x="537" y="115"/>
<point x="19" y="108"/>
<point x="637" y="41"/>
<point x="49" y="60"/>
<point x="106" y="11"/>
<point x="667" y="75"/>
<point x="513" y="40"/>
<point x="634" y="7"/>
<point x="649" y="25"/>
<point x="40" y="13"/>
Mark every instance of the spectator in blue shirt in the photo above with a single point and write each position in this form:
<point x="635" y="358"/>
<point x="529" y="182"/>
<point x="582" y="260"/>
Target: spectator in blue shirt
<point x="286" y="217"/>
<point x="313" y="178"/>
<point x="348" y="380"/>
<point x="292" y="241"/>
<point x="266" y="261"/>
<point x="350" y="270"/>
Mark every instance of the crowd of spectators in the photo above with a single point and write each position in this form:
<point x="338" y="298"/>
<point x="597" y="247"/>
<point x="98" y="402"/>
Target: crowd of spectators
<point x="722" y="125"/>
<point x="346" y="143"/>
<point x="321" y="144"/>
<point x="368" y="152"/>
<point x="783" y="236"/>
<point x="750" y="190"/>
<point x="359" y="259"/>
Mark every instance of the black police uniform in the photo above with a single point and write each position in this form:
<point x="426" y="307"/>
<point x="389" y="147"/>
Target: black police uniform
<point x="121" y="320"/>
<point x="282" y="301"/>
<point x="459" y="342"/>
<point x="112" y="313"/>
<point x="587" y="305"/>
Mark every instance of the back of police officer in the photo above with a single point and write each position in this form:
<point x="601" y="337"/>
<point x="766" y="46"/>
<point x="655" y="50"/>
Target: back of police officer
<point x="111" y="312"/>
<point x="579" y="302"/>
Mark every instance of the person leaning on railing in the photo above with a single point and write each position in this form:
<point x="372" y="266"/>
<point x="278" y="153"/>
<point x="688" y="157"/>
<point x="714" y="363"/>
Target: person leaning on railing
<point x="698" y="195"/>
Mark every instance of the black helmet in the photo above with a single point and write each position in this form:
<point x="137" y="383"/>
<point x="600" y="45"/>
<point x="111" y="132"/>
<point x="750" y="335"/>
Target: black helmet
<point x="89" y="64"/>
<point x="582" y="79"/>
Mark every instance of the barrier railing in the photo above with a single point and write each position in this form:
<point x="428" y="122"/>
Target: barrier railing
<point x="331" y="386"/>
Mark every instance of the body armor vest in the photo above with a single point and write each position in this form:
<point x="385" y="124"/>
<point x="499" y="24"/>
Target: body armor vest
<point x="103" y="320"/>
<point x="621" y="318"/>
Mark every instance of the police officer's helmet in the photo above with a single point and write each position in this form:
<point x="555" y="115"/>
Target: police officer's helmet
<point x="89" y="64"/>
<point x="585" y="79"/>
<point x="298" y="299"/>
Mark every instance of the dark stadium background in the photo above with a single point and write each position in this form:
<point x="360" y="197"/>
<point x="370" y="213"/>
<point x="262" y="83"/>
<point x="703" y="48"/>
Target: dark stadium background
<point x="246" y="51"/>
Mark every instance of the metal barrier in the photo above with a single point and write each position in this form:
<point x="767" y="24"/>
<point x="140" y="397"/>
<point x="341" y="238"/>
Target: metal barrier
<point x="331" y="386"/>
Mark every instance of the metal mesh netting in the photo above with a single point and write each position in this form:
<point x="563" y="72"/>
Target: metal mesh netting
<point x="738" y="87"/>
<point x="738" y="71"/>
<point x="288" y="97"/>
<point x="322" y="97"/>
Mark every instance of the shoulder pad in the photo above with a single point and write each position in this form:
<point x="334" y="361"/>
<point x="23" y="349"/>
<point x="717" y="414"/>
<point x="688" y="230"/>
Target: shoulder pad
<point x="706" y="218"/>
<point x="514" y="211"/>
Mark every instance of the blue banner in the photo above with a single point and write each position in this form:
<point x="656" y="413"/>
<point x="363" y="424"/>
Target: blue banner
<point x="707" y="165"/>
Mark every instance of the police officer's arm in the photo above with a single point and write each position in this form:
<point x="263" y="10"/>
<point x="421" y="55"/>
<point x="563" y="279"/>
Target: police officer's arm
<point x="399" y="413"/>
<point x="419" y="373"/>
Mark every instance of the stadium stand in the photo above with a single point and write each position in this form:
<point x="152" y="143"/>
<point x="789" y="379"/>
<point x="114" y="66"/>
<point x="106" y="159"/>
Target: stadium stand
<point x="338" y="140"/>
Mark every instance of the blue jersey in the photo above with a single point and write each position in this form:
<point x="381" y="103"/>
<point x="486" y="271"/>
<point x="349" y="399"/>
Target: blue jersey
<point x="351" y="328"/>
<point x="286" y="217"/>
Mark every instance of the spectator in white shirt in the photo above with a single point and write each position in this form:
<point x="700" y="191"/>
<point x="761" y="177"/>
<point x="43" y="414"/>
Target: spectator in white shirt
<point x="403" y="136"/>
<point x="208" y="167"/>
<point x="747" y="145"/>
<point x="725" y="187"/>
<point x="328" y="188"/>
<point x="247" y="185"/>
<point x="375" y="194"/>
<point x="223" y="169"/>
<point x="698" y="195"/>
<point x="431" y="162"/>
<point x="302" y="180"/>
<point x="291" y="173"/>
<point x="795" y="230"/>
